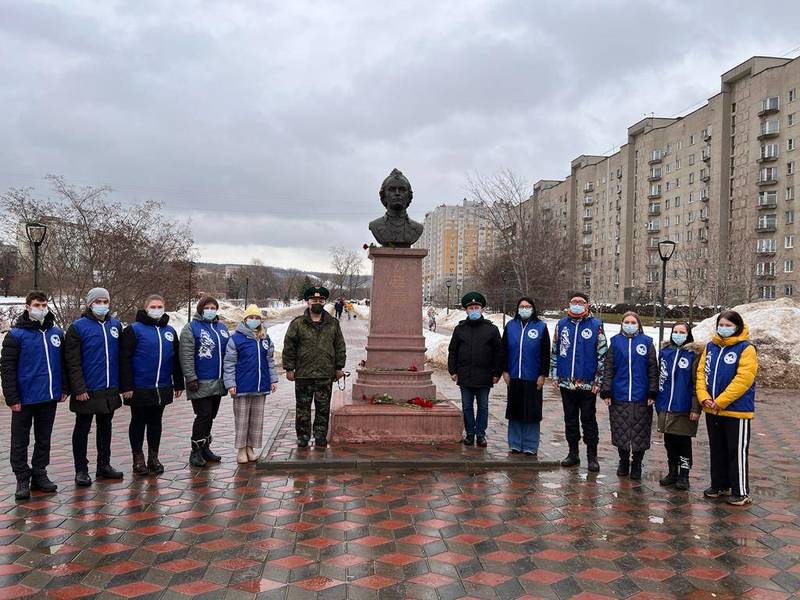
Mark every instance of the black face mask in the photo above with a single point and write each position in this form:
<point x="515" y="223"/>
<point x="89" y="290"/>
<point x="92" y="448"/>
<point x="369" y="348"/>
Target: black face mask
<point x="316" y="308"/>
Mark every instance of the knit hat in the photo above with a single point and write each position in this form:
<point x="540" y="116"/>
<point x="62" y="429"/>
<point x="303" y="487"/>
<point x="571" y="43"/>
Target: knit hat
<point x="473" y="298"/>
<point x="253" y="311"/>
<point x="96" y="294"/>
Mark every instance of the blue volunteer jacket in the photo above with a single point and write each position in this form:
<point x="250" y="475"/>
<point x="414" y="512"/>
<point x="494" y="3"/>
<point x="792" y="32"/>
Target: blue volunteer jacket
<point x="675" y="382"/>
<point x="249" y="363"/>
<point x="720" y="369"/>
<point x="211" y="341"/>
<point x="577" y="348"/>
<point x="31" y="363"/>
<point x="99" y="352"/>
<point x="526" y="345"/>
<point x="631" y="369"/>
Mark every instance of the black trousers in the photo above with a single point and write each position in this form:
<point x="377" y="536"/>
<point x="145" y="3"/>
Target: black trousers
<point x="40" y="417"/>
<point x="145" y="419"/>
<point x="678" y="446"/>
<point x="80" y="440"/>
<point x="205" y="411"/>
<point x="729" y="444"/>
<point x="580" y="411"/>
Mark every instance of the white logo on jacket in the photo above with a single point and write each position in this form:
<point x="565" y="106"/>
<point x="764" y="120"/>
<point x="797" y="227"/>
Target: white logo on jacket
<point x="207" y="345"/>
<point x="641" y="350"/>
<point x="730" y="358"/>
<point x="564" y="343"/>
<point x="533" y="334"/>
<point x="265" y="344"/>
<point x="662" y="375"/>
<point x="114" y="332"/>
<point x="586" y="334"/>
<point x="224" y="333"/>
<point x="683" y="363"/>
<point x="55" y="340"/>
<point x="169" y="337"/>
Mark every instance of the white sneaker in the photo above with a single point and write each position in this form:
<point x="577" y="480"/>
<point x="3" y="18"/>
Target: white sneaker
<point x="251" y="454"/>
<point x="241" y="456"/>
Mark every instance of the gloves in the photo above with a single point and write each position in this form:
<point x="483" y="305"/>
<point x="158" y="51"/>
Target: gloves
<point x="193" y="386"/>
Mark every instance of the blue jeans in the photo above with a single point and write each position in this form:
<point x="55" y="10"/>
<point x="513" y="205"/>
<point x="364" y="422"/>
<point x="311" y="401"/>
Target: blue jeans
<point x="475" y="425"/>
<point x="523" y="436"/>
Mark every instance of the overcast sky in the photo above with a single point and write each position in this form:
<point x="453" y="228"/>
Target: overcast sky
<point x="272" y="124"/>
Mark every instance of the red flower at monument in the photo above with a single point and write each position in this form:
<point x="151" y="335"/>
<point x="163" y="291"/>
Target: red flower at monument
<point x="421" y="402"/>
<point x="413" y="367"/>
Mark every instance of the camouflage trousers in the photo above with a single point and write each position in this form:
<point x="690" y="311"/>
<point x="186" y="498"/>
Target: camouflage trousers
<point x="317" y="391"/>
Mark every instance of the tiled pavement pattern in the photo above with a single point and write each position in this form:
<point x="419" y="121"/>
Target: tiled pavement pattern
<point x="228" y="532"/>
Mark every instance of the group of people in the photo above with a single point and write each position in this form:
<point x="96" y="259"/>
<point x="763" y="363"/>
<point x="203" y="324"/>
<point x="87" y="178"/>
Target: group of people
<point x="680" y="381"/>
<point x="343" y="305"/>
<point x="100" y="365"/>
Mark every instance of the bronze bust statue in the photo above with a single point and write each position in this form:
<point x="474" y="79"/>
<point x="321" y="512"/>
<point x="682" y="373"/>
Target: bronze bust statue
<point x="395" y="229"/>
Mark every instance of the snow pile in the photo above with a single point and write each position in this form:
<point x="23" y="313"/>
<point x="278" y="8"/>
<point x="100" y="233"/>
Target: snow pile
<point x="774" y="332"/>
<point x="436" y="345"/>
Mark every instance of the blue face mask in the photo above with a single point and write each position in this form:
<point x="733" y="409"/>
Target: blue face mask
<point x="679" y="338"/>
<point x="100" y="310"/>
<point x="209" y="314"/>
<point x="253" y="323"/>
<point x="630" y="328"/>
<point x="725" y="332"/>
<point x="525" y="313"/>
<point x="474" y="315"/>
<point x="577" y="309"/>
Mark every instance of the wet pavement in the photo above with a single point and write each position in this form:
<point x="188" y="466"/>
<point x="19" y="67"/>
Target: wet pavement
<point x="237" y="532"/>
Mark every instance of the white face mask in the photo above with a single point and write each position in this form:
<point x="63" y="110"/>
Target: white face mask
<point x="38" y="314"/>
<point x="155" y="313"/>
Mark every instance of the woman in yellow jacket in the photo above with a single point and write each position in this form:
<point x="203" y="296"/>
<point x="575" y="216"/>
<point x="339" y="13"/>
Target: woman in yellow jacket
<point x="726" y="390"/>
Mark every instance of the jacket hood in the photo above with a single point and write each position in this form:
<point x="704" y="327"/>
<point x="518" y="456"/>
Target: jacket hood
<point x="143" y="317"/>
<point x="734" y="339"/>
<point x="694" y="346"/>
<point x="25" y="321"/>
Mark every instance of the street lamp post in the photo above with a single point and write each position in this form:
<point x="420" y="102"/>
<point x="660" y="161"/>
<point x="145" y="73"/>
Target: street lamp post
<point x="36" y="234"/>
<point x="246" y="290"/>
<point x="666" y="248"/>
<point x="447" y="284"/>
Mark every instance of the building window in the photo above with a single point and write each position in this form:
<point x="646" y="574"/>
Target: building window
<point x="689" y="236"/>
<point x="789" y="217"/>
<point x="790" y="144"/>
<point x="791" y="119"/>
<point x="691" y="141"/>
<point x="768" y="127"/>
<point x="769" y="151"/>
<point x="790" y="193"/>
<point x="788" y="265"/>
<point x="677" y="221"/>
<point x="691" y="159"/>
<point x="765" y="268"/>
<point x="667" y="204"/>
<point x="790" y="168"/>
<point x="788" y="242"/>
<point x="768" y="199"/>
<point x="677" y="201"/>
<point x="766" y="292"/>
<point x="788" y="289"/>
<point x="792" y="95"/>
<point x="771" y="103"/>
<point x="765" y="246"/>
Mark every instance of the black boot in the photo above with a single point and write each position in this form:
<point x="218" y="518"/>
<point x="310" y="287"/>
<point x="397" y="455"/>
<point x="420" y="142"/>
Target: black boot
<point x="624" y="468"/>
<point x="196" y="458"/>
<point x="154" y="465"/>
<point x="42" y="483"/>
<point x="682" y="482"/>
<point x="82" y="479"/>
<point x="671" y="477"/>
<point x="139" y="466"/>
<point x="573" y="459"/>
<point x="208" y="454"/>
<point x="636" y="465"/>
<point x="23" y="489"/>
<point x="591" y="459"/>
<point x="108" y="472"/>
<point x="469" y="439"/>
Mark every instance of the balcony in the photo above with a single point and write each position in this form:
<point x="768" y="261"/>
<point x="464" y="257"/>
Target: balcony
<point x="587" y="230"/>
<point x="586" y="244"/>
<point x="765" y="275"/>
<point x="654" y="177"/>
<point x="769" y="106"/>
<point x="766" y="228"/>
<point x="705" y="176"/>
<point x="654" y="195"/>
<point x="768" y="203"/>
<point x="704" y="240"/>
<point x="769" y="131"/>
<point x="704" y="196"/>
<point x="706" y="156"/>
<point x="653" y="211"/>
<point x="704" y="218"/>
<point x="655" y="159"/>
<point x="588" y="201"/>
<point x="652" y="248"/>
<point x="587" y="217"/>
<point x="706" y="134"/>
<point x="765" y="251"/>
<point x="652" y="229"/>
<point x="588" y="187"/>
<point x="767" y="180"/>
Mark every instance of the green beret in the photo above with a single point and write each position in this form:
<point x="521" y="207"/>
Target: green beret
<point x="472" y="298"/>
<point x="316" y="292"/>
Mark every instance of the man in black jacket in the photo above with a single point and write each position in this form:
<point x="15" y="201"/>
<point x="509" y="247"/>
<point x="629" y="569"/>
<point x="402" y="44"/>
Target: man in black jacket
<point x="475" y="363"/>
<point x="34" y="382"/>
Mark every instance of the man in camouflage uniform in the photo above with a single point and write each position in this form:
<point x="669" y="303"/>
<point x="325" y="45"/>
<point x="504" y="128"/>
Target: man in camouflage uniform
<point x="314" y="356"/>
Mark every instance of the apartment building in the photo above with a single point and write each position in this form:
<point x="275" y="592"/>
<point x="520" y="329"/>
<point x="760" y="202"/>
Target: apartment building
<point x="719" y="181"/>
<point x="456" y="238"/>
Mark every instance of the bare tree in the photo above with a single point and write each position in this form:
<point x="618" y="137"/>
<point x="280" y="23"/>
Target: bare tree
<point x="130" y="250"/>
<point x="347" y="265"/>
<point x="529" y="242"/>
<point x="692" y="269"/>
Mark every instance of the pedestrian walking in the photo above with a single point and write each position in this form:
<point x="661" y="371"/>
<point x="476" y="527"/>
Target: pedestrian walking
<point x="475" y="363"/>
<point x="726" y="389"/>
<point x="34" y="382"/>
<point x="250" y="376"/>
<point x="314" y="356"/>
<point x="348" y="307"/>
<point x="676" y="404"/>
<point x="576" y="365"/>
<point x="339" y="307"/>
<point x="150" y="377"/>
<point x="203" y="343"/>
<point x="91" y="352"/>
<point x="629" y="388"/>
<point x="526" y="349"/>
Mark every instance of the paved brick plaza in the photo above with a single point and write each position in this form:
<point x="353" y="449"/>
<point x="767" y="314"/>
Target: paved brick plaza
<point x="235" y="532"/>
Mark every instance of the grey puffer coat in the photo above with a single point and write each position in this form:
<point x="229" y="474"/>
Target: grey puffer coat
<point x="188" y="356"/>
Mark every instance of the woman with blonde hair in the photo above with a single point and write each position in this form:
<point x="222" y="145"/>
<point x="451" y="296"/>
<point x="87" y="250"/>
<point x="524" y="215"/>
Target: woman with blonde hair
<point x="249" y="376"/>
